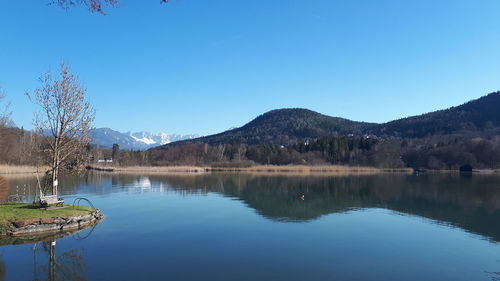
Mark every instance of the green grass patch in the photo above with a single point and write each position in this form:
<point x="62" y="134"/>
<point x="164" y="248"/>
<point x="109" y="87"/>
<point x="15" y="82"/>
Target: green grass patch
<point x="15" y="211"/>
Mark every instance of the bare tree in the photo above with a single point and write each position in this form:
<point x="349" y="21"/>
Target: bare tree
<point x="65" y="116"/>
<point x="93" y="5"/>
<point x="4" y="110"/>
<point x="4" y="119"/>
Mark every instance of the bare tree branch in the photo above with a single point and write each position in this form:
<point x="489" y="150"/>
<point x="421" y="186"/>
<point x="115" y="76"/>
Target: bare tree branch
<point x="93" y="5"/>
<point x="5" y="120"/>
<point x="5" y="112"/>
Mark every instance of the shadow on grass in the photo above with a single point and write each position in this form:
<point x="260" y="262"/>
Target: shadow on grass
<point x="32" y="207"/>
<point x="16" y="205"/>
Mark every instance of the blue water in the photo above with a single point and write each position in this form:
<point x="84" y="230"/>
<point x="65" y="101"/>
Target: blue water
<point x="244" y="227"/>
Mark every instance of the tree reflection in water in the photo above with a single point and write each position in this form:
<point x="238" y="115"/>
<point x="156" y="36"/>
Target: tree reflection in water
<point x="495" y="276"/>
<point x="66" y="266"/>
<point x="2" y="270"/>
<point x="4" y="194"/>
<point x="4" y="190"/>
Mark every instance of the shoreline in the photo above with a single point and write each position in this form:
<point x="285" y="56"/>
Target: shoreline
<point x="36" y="225"/>
<point x="264" y="169"/>
<point x="150" y="169"/>
<point x="16" y="171"/>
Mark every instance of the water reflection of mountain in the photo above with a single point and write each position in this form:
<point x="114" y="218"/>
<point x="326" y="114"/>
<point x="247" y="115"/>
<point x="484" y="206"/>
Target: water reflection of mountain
<point x="471" y="203"/>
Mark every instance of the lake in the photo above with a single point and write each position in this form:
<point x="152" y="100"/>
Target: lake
<point x="257" y="227"/>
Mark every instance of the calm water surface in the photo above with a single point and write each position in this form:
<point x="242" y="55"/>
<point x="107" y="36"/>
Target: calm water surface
<point x="249" y="227"/>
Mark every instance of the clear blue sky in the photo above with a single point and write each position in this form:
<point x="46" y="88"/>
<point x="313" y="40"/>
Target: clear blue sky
<point x="203" y="66"/>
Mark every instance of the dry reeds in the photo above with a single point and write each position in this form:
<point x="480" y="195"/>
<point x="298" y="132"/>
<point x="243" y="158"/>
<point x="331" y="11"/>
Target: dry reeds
<point x="290" y="169"/>
<point x="324" y="169"/>
<point x="152" y="169"/>
<point x="12" y="169"/>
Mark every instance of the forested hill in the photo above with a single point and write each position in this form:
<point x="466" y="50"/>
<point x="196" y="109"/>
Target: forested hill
<point x="287" y="126"/>
<point x="284" y="126"/>
<point x="474" y="116"/>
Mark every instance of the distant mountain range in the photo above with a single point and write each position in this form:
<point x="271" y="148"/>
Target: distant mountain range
<point x="284" y="126"/>
<point x="106" y="137"/>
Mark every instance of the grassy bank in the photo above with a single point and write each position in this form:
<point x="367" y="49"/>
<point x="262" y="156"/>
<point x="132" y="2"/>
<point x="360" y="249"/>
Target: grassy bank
<point x="27" y="211"/>
<point x="295" y="169"/>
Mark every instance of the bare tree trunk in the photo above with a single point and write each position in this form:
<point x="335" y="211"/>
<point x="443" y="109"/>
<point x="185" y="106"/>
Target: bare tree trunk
<point x="55" y="167"/>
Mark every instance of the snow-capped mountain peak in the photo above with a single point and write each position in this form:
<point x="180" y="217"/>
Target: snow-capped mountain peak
<point x="135" y="140"/>
<point x="145" y="140"/>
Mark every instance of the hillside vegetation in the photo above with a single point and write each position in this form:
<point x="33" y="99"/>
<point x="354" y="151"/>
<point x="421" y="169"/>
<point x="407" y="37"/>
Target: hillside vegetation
<point x="444" y="139"/>
<point x="286" y="126"/>
<point x="480" y="116"/>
